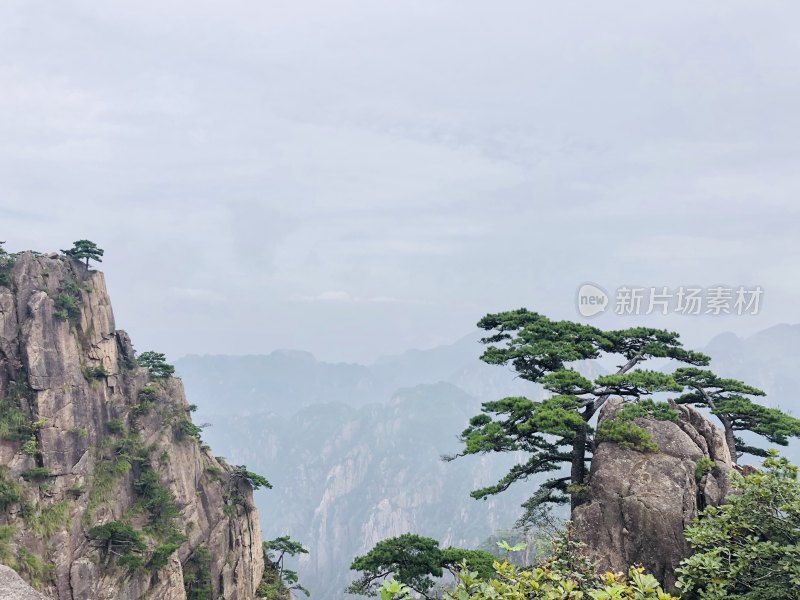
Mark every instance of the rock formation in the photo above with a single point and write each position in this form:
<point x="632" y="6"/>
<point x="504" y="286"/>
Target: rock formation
<point x="12" y="587"/>
<point x="87" y="437"/>
<point x="640" y="502"/>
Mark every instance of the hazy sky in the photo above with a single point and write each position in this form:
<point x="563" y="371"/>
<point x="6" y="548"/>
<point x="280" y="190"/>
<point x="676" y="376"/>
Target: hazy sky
<point x="360" y="177"/>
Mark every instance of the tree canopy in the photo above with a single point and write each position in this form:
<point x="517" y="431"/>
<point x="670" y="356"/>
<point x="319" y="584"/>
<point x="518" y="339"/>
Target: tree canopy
<point x="274" y="553"/>
<point x="555" y="431"/>
<point x="414" y="561"/>
<point x="730" y="400"/>
<point x="85" y="250"/>
<point x="156" y="363"/>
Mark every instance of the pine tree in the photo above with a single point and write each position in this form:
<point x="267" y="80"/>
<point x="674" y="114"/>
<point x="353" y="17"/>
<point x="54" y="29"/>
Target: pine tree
<point x="729" y="400"/>
<point x="555" y="431"/>
<point x="85" y="249"/>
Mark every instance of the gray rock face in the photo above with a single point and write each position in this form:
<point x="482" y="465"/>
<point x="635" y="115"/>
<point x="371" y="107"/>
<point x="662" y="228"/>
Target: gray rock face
<point x="640" y="502"/>
<point x="72" y="377"/>
<point x="12" y="587"/>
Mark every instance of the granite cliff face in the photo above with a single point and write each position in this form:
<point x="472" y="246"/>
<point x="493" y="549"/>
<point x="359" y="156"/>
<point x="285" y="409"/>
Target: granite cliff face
<point x="640" y="502"/>
<point x="87" y="437"/>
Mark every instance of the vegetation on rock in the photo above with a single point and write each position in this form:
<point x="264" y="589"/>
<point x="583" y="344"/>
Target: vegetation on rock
<point x="556" y="430"/>
<point x="85" y="250"/>
<point x="277" y="578"/>
<point x="731" y="401"/>
<point x="749" y="547"/>
<point x="156" y="364"/>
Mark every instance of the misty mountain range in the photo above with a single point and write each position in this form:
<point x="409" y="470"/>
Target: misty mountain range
<point x="353" y="451"/>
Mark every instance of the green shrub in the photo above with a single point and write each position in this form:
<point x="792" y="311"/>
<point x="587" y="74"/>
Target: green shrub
<point x="621" y="430"/>
<point x="103" y="482"/>
<point x="627" y="434"/>
<point x="159" y="502"/>
<point x="14" y="423"/>
<point x="7" y="557"/>
<point x="34" y="566"/>
<point x="10" y="493"/>
<point x="704" y="465"/>
<point x="31" y="446"/>
<point x="6" y="264"/>
<point x="131" y="561"/>
<point x="95" y="373"/>
<point x="66" y="307"/>
<point x="161" y="555"/>
<point x="51" y="519"/>
<point x="186" y="429"/>
<point x="37" y="474"/>
<point x="115" y="426"/>
<point x="546" y="583"/>
<point x="197" y="574"/>
<point x="749" y="547"/>
<point x="76" y="490"/>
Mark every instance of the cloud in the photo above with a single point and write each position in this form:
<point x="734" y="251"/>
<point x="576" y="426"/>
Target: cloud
<point x="197" y="295"/>
<point x="421" y="163"/>
<point x="346" y="298"/>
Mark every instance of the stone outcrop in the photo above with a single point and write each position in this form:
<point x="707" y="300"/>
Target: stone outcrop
<point x="12" y="587"/>
<point x="73" y="375"/>
<point x="640" y="502"/>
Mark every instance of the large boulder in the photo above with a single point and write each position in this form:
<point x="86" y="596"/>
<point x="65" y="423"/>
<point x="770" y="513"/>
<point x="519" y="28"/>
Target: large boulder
<point x="640" y="502"/>
<point x="12" y="587"/>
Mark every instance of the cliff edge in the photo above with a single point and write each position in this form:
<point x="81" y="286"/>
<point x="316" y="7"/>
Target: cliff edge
<point x="106" y="490"/>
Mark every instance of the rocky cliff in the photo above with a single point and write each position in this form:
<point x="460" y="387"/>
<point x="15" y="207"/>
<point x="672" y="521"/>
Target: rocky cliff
<point x="640" y="502"/>
<point x="106" y="490"/>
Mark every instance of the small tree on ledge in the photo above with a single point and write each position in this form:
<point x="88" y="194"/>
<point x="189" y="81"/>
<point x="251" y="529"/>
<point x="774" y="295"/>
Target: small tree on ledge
<point x="85" y="250"/>
<point x="156" y="363"/>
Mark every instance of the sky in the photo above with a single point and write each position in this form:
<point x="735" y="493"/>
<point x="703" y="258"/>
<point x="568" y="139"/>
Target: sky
<point x="357" y="178"/>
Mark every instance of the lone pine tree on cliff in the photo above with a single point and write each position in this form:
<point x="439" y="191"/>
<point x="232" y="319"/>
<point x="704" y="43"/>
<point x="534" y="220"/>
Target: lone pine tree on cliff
<point x="85" y="249"/>
<point x="556" y="430"/>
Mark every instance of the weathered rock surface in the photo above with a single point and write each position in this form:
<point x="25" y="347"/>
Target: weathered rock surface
<point x="76" y="379"/>
<point x="12" y="587"/>
<point x="640" y="503"/>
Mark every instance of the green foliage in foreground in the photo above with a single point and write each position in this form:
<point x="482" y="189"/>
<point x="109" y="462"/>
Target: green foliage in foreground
<point x="546" y="583"/>
<point x="414" y="561"/>
<point x="564" y="573"/>
<point x="749" y="547"/>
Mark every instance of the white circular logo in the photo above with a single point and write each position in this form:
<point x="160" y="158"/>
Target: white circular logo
<point x="592" y="299"/>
